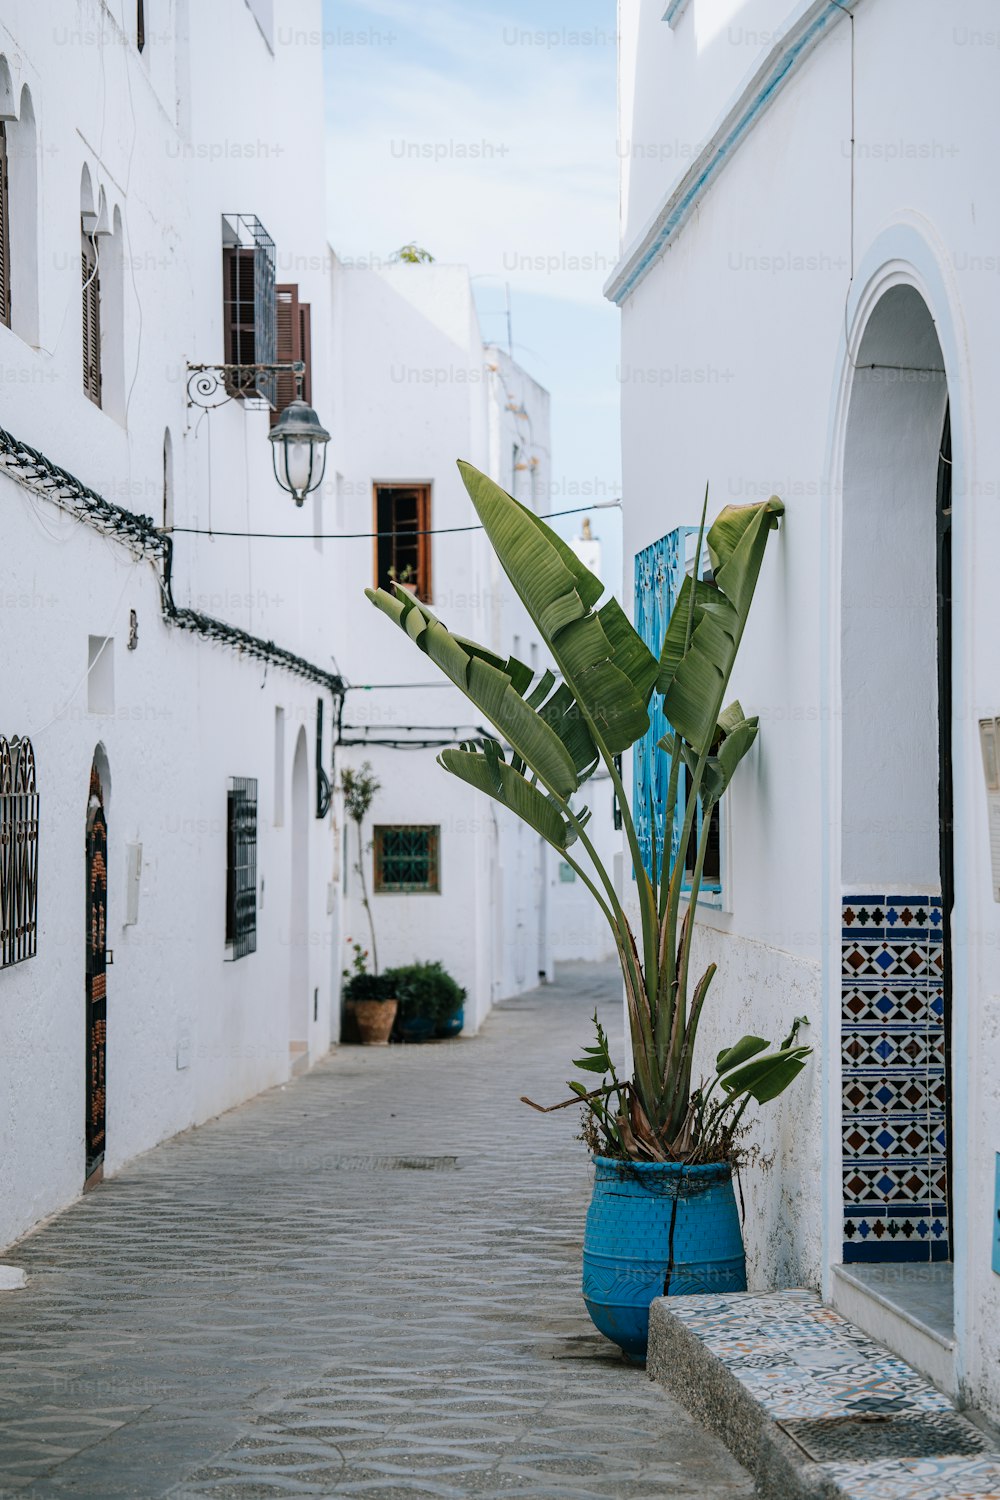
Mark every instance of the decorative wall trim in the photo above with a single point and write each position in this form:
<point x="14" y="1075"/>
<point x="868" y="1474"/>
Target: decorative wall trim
<point x="810" y="23"/>
<point x="675" y="9"/>
<point x="895" y="1109"/>
<point x="33" y="471"/>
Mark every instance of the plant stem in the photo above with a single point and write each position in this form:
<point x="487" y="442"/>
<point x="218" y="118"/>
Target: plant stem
<point x="364" y="898"/>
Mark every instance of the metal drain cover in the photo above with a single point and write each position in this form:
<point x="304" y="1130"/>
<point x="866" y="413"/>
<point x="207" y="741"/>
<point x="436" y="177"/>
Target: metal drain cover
<point x="391" y="1163"/>
<point x="866" y="1436"/>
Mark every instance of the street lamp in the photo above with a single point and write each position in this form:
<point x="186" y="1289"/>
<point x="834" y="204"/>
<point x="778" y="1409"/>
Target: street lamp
<point x="298" y="449"/>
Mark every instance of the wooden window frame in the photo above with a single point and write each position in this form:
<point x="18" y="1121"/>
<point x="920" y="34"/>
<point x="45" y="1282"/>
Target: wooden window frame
<point x="234" y="317"/>
<point x="91" y="319"/>
<point x="424" y="589"/>
<point x="432" y="887"/>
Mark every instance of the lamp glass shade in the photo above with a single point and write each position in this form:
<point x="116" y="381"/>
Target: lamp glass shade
<point x="299" y="449"/>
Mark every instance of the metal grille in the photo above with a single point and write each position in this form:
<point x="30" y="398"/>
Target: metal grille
<point x="406" y="858"/>
<point x="18" y="852"/>
<point x="96" y="980"/>
<point x="91" y="319"/>
<point x="864" y="1436"/>
<point x="250" y="307"/>
<point x="659" y="573"/>
<point x="241" y="872"/>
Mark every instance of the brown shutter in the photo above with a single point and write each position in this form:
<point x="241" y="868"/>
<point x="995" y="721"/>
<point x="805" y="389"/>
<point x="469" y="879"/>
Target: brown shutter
<point x="288" y="344"/>
<point x="305" y="345"/>
<point x="91" y="321"/>
<point x="4" y="231"/>
<point x="238" y="316"/>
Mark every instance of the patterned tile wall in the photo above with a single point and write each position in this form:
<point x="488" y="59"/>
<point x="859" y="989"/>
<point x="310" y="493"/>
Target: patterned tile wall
<point x="895" y="1172"/>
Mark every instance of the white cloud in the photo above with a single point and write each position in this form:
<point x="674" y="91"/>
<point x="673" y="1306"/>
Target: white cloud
<point x="486" y="148"/>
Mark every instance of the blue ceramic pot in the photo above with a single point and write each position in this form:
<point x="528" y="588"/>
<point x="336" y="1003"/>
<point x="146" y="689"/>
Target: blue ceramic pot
<point x="454" y="1023"/>
<point x="416" y="1029"/>
<point x="655" y="1229"/>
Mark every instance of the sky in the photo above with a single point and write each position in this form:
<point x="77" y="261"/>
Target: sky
<point x="486" y="133"/>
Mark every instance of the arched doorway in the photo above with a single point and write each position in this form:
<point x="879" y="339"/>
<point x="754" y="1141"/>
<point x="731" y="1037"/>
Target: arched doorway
<point x="298" y="924"/>
<point x="96" y="994"/>
<point x="896" y="828"/>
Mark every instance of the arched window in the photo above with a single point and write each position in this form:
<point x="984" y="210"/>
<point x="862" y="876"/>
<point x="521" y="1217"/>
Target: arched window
<point x="91" y="290"/>
<point x="18" y="211"/>
<point x="168" y="480"/>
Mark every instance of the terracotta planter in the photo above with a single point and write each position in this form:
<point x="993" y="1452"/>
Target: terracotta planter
<point x="375" y="1018"/>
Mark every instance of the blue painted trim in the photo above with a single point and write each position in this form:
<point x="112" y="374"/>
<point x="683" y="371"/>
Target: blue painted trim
<point x="779" y="66"/>
<point x="674" y="11"/>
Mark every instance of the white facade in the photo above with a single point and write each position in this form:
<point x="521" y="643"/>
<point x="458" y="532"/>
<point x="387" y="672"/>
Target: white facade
<point x="808" y="280"/>
<point x="417" y="391"/>
<point x="146" y="144"/>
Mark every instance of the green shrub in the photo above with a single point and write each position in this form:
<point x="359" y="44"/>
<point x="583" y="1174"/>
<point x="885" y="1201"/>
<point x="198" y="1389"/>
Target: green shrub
<point x="425" y="991"/>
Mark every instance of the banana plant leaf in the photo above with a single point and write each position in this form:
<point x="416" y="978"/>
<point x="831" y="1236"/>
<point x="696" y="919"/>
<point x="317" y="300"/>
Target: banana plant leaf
<point x="766" y="1077"/>
<point x="604" y="662"/>
<point x="490" y="687"/>
<point x="504" y="784"/>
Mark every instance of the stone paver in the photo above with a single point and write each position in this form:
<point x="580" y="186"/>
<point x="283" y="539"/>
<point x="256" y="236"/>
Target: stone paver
<point x="364" y="1283"/>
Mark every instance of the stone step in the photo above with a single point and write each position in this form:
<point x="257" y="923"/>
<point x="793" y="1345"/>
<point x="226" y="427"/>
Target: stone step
<point x="810" y="1405"/>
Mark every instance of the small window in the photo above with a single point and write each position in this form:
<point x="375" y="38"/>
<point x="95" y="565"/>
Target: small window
<point x="406" y="858"/>
<point x="241" y="867"/>
<point x="140" y="25"/>
<point x="4" y="230"/>
<point x="403" y="546"/>
<point x="91" y="318"/>
<point x="293" y="345"/>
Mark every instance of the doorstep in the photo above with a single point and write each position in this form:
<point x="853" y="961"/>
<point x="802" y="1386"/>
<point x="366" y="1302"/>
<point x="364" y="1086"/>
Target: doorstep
<point x="812" y="1406"/>
<point x="910" y="1307"/>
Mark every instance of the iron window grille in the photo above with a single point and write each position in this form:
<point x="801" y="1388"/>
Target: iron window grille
<point x="403" y="543"/>
<point x="4" y="230"/>
<point x="659" y="572"/>
<point x="241" y="867"/>
<point x="249" y="306"/>
<point x="406" y="858"/>
<point x="91" y="320"/>
<point x="18" y="852"/>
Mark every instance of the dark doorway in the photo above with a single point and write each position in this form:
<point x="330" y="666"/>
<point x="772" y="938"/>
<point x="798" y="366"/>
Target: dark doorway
<point x="96" y="981"/>
<point x="946" y="806"/>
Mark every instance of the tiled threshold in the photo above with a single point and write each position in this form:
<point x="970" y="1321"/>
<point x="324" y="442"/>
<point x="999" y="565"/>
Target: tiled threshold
<point x="909" y="1307"/>
<point x="812" y="1406"/>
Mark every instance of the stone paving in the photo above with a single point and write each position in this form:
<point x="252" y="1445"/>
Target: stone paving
<point x="365" y="1283"/>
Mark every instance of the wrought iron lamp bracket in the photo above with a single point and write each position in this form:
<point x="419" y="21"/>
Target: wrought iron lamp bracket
<point x="234" y="382"/>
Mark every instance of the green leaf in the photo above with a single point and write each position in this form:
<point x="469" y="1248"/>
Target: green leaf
<point x="590" y="1064"/>
<point x="746" y="1047"/>
<point x="488" y="686"/>
<point x="733" y="748"/>
<point x="603" y="661"/>
<point x="500" y="781"/>
<point x="672" y="652"/>
<point x="766" y="1077"/>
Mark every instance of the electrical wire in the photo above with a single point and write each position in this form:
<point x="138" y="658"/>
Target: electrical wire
<point x="351" y="536"/>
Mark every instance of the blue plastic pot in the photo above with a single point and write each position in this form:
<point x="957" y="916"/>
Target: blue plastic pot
<point x="454" y="1023"/>
<point x="657" y="1229"/>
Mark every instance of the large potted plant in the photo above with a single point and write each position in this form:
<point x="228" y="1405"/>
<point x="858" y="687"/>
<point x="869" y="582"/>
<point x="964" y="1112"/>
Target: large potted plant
<point x="430" y="1001"/>
<point x="663" y="1216"/>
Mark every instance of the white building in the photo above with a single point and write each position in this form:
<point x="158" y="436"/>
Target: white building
<point x="453" y="876"/>
<point x="809" y="307"/>
<point x="178" y="691"/>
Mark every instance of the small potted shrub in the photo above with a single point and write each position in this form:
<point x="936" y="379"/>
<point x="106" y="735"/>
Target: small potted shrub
<point x="371" y="999"/>
<point x="429" y="1001"/>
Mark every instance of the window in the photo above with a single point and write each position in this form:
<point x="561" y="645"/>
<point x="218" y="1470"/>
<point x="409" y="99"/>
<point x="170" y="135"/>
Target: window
<point x="659" y="571"/>
<point x="140" y="25"/>
<point x="293" y="343"/>
<point x="91" y="316"/>
<point x="406" y="858"/>
<point x="4" y="230"/>
<point x="248" y="305"/>
<point x="18" y="852"/>
<point x="241" y="867"/>
<point x="402" y="546"/>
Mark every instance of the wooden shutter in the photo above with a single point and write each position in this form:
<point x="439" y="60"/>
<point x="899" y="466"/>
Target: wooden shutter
<point x="4" y="231"/>
<point x="91" y="321"/>
<point x="305" y="345"/>
<point x="238" y="316"/>
<point x="288" y="344"/>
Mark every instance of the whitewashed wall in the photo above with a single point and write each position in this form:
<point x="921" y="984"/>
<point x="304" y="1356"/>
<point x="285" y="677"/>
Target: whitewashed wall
<point x="735" y="371"/>
<point x="188" y="1034"/>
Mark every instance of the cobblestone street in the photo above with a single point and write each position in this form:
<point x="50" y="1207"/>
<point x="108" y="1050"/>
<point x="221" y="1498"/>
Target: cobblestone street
<point x="363" y="1283"/>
